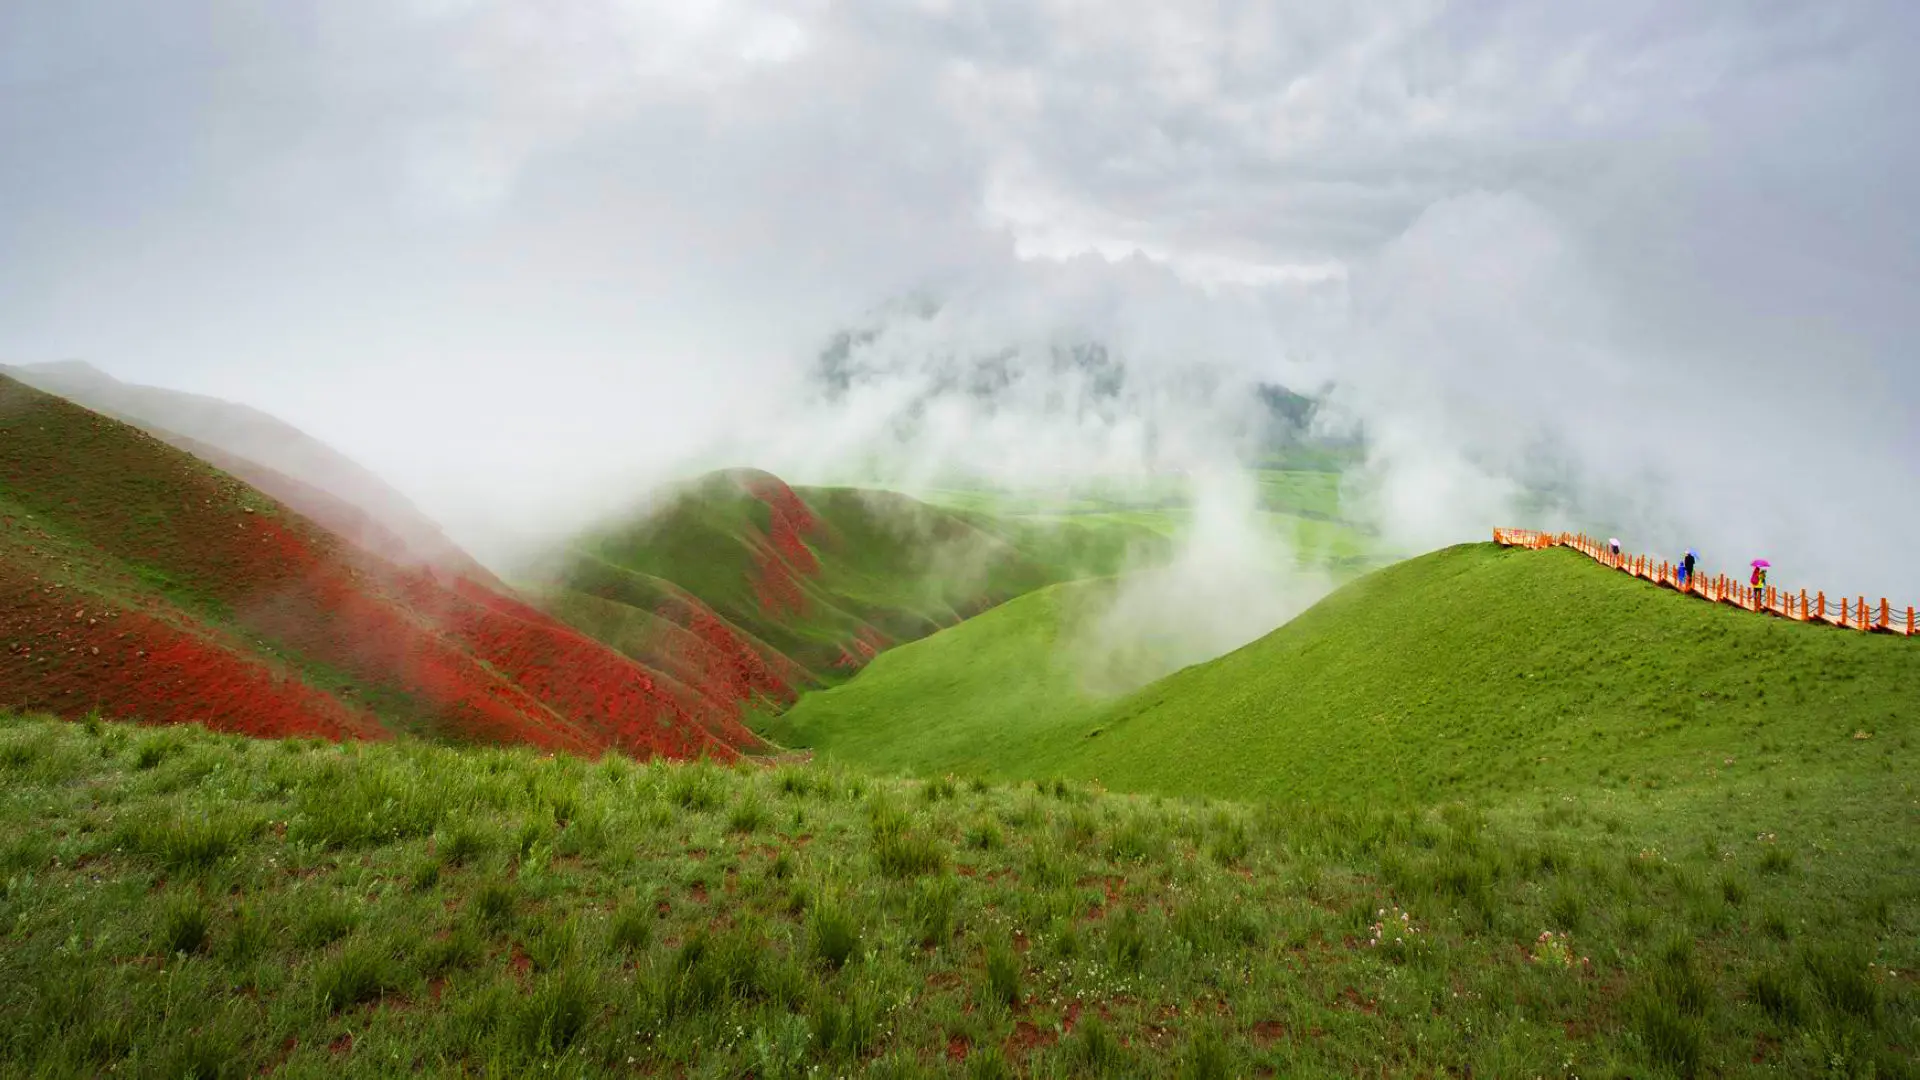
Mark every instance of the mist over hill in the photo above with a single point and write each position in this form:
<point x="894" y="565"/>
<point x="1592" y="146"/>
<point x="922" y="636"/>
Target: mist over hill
<point x="269" y="453"/>
<point x="914" y="367"/>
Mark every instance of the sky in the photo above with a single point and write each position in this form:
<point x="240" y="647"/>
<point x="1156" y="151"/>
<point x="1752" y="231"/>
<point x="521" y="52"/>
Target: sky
<point x="524" y="259"/>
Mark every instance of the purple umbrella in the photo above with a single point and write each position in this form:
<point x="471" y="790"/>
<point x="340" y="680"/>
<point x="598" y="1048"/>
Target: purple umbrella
<point x="1762" y="563"/>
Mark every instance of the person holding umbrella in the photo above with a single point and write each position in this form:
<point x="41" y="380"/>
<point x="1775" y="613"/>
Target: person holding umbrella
<point x="1759" y="579"/>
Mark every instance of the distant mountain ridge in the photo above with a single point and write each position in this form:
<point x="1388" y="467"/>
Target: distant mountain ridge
<point x="272" y="455"/>
<point x="1072" y="377"/>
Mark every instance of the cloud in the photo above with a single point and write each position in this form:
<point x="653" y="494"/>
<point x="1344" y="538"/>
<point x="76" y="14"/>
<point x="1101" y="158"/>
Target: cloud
<point x="1229" y="581"/>
<point x="519" y="257"/>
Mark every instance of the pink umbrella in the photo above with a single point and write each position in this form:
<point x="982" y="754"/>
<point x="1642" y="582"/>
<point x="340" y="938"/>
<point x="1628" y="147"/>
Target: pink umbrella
<point x="1762" y="563"/>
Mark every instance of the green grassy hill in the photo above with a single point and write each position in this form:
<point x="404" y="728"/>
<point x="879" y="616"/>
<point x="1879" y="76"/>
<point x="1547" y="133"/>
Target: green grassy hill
<point x="985" y="698"/>
<point x="1473" y="672"/>
<point x="177" y="903"/>
<point x="822" y="578"/>
<point x="1485" y="672"/>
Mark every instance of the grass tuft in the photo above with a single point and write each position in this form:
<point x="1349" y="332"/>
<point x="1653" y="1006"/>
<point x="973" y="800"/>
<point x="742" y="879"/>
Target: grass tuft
<point x="631" y="930"/>
<point x="833" y="937"/>
<point x="185" y="924"/>
<point x="360" y="972"/>
<point x="1002" y="974"/>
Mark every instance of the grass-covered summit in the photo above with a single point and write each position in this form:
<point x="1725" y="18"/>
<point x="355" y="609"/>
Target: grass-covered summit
<point x="1475" y="672"/>
<point x="1480" y="671"/>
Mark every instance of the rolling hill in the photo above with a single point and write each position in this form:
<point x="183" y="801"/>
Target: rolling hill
<point x="1478" y="671"/>
<point x="818" y="579"/>
<point x="141" y="582"/>
<point x="983" y="698"/>
<point x="1472" y="672"/>
<point x="1502" y="812"/>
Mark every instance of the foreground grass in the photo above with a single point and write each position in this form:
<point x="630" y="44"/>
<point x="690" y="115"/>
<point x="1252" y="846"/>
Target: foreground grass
<point x="179" y="903"/>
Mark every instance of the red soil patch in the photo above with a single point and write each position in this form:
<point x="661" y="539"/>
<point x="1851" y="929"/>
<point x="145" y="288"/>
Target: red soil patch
<point x="957" y="1048"/>
<point x="783" y="558"/>
<point x="791" y="520"/>
<point x="776" y="587"/>
<point x="130" y="665"/>
<point x="866" y="644"/>
<point x="1027" y="1038"/>
<point x="737" y="673"/>
<point x="725" y="672"/>
<point x="1110" y="886"/>
<point x="1352" y="999"/>
<point x="1268" y="1032"/>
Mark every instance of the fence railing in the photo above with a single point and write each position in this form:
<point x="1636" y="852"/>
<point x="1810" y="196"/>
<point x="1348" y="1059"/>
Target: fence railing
<point x="1852" y="613"/>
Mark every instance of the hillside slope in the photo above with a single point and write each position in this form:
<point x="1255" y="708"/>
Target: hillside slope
<point x="286" y="463"/>
<point x="984" y="698"/>
<point x="1471" y="672"/>
<point x="139" y="581"/>
<point x="820" y="579"/>
<point x="1482" y="671"/>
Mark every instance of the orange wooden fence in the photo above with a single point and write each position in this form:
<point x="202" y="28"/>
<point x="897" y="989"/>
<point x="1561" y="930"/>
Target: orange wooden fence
<point x="1853" y="613"/>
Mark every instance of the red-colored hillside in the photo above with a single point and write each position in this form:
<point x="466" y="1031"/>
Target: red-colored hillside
<point x="214" y="602"/>
<point x="303" y="473"/>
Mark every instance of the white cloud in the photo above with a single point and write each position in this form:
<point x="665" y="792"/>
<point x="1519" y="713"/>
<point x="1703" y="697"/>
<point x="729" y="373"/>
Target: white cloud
<point x="484" y="245"/>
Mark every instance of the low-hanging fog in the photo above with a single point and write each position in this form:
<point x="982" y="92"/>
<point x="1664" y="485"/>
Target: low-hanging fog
<point x="528" y="261"/>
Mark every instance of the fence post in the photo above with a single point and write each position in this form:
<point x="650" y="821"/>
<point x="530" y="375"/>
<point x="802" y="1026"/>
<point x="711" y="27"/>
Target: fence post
<point x="1909" y="620"/>
<point x="1860" y="612"/>
<point x="1883" y="613"/>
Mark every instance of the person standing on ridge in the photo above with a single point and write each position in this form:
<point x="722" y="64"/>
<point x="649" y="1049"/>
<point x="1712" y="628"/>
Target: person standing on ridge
<point x="1686" y="567"/>
<point x="1613" y="545"/>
